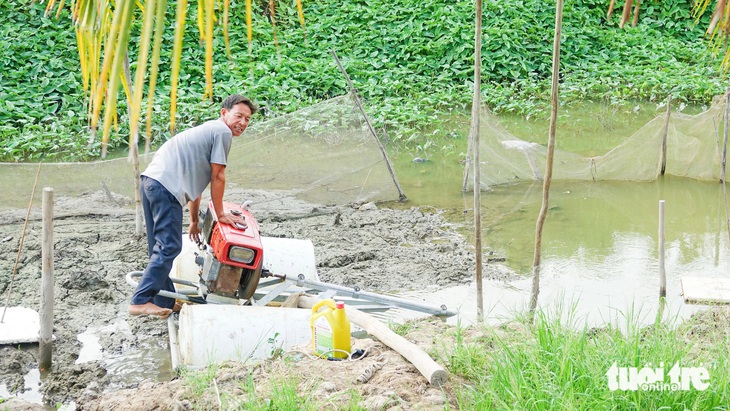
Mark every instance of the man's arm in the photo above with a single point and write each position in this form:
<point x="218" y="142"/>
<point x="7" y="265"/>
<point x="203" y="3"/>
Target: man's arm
<point x="217" y="187"/>
<point x="194" y="231"/>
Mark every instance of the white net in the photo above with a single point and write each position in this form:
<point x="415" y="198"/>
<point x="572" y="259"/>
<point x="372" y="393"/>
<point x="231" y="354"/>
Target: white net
<point x="324" y="154"/>
<point x="693" y="151"/>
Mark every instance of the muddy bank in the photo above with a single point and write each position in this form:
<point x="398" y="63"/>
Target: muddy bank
<point x="95" y="245"/>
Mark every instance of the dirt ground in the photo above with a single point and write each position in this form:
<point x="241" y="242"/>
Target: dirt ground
<point x="375" y="248"/>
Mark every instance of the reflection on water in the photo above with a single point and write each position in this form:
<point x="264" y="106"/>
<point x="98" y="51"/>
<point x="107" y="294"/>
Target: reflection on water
<point x="597" y="229"/>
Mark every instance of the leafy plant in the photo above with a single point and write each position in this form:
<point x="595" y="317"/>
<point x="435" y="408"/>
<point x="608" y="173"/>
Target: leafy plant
<point x="411" y="65"/>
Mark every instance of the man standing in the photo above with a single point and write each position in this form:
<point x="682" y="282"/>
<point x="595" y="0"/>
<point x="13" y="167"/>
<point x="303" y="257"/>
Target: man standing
<point x="179" y="172"/>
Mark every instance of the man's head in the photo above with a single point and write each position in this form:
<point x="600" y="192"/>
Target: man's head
<point x="236" y="111"/>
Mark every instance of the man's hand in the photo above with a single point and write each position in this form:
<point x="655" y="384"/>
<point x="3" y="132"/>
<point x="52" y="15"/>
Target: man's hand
<point x="194" y="233"/>
<point x="233" y="220"/>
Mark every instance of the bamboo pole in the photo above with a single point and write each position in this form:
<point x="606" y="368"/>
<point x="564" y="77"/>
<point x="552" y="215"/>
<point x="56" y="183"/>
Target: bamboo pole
<point x="45" y="347"/>
<point x="475" y="130"/>
<point x="134" y="154"/>
<point x="402" y="196"/>
<point x="666" y="135"/>
<point x="723" y="156"/>
<point x="723" y="161"/>
<point x="174" y="344"/>
<point x="467" y="163"/>
<point x="549" y="162"/>
<point x="138" y="211"/>
<point x="662" y="273"/>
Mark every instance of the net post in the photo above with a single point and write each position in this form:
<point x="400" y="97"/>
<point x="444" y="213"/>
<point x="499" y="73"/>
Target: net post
<point x="402" y="197"/>
<point x="662" y="272"/>
<point x="666" y="133"/>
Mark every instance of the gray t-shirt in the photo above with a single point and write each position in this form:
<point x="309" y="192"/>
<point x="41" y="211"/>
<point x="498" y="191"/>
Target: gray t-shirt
<point x="182" y="164"/>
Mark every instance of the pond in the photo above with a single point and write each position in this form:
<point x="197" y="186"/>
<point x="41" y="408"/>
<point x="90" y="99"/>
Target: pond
<point x="599" y="254"/>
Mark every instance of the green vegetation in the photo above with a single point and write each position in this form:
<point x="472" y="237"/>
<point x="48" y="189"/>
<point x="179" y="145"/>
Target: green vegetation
<point x="411" y="63"/>
<point x="560" y="365"/>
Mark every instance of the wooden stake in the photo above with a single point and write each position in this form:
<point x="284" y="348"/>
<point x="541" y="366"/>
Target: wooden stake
<point x="635" y="21"/>
<point x="45" y="348"/>
<point x="549" y="162"/>
<point x="723" y="156"/>
<point x="402" y="196"/>
<point x="475" y="134"/>
<point x="626" y="14"/>
<point x="723" y="161"/>
<point x="662" y="274"/>
<point x="666" y="134"/>
<point x="610" y="9"/>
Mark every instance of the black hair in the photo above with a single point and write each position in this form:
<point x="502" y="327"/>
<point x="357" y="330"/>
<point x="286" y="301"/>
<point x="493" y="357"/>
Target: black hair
<point x="234" y="99"/>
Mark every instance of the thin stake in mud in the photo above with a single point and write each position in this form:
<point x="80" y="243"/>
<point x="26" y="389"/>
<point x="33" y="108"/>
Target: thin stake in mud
<point x="20" y="246"/>
<point x="723" y="160"/>
<point x="666" y="134"/>
<point x="403" y="197"/>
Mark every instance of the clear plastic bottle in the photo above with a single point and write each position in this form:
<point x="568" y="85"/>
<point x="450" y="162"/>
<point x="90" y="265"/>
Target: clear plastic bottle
<point x="330" y="329"/>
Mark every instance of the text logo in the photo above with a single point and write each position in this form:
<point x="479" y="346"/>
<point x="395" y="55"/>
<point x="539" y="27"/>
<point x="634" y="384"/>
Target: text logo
<point x="654" y="379"/>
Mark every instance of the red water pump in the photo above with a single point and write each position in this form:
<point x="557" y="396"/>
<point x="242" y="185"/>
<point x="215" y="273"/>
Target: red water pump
<point x="230" y="258"/>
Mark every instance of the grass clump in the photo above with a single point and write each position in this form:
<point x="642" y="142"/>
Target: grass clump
<point x="554" y="365"/>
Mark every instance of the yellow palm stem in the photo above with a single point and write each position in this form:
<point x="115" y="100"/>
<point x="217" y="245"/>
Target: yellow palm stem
<point x="154" y="69"/>
<point x="120" y="52"/>
<point x="144" y="48"/>
<point x="209" y="6"/>
<point x="182" y="6"/>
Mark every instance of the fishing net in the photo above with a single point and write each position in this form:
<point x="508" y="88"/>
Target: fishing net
<point x="323" y="154"/>
<point x="693" y="150"/>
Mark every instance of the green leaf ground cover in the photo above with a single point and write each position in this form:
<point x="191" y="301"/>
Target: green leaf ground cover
<point x="412" y="62"/>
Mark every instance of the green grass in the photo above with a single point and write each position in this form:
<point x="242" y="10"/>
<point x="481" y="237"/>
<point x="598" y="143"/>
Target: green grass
<point x="554" y="365"/>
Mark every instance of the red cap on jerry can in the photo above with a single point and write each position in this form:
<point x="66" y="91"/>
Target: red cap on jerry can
<point x="340" y="304"/>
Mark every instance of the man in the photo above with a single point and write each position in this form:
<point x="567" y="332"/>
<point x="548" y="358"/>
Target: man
<point x="178" y="174"/>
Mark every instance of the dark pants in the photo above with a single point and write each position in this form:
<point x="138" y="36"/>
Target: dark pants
<point x="163" y="216"/>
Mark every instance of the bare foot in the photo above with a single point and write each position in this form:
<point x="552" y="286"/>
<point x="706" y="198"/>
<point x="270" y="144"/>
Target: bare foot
<point x="149" y="309"/>
<point x="177" y="307"/>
